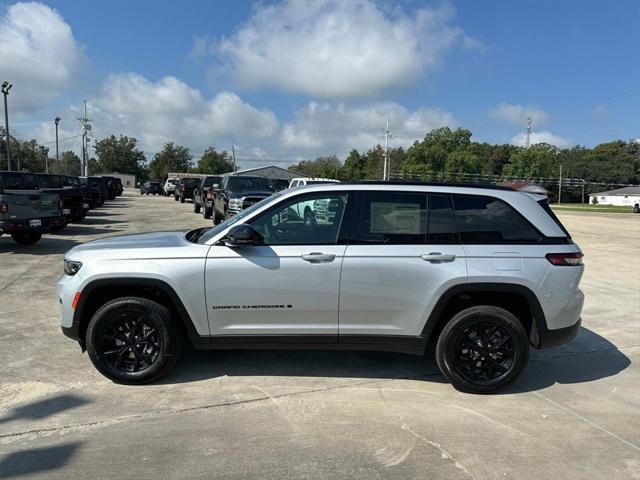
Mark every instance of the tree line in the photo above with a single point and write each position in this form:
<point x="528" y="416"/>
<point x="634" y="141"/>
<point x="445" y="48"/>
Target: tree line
<point x="442" y="155"/>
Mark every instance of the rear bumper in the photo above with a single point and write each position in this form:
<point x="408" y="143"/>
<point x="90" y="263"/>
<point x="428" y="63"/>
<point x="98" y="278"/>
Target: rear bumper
<point x="22" y="225"/>
<point x="542" y="337"/>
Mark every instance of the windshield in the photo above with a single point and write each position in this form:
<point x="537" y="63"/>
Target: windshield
<point x="212" y="232"/>
<point x="207" y="182"/>
<point x="72" y="182"/>
<point x="190" y="181"/>
<point x="248" y="183"/>
<point x="18" y="181"/>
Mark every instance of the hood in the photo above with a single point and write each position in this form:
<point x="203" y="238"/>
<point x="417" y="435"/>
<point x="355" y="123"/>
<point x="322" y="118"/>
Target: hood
<point x="143" y="241"/>
<point x="251" y="193"/>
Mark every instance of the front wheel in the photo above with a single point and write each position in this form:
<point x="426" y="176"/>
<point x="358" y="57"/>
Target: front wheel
<point x="196" y="207"/>
<point x="133" y="340"/>
<point x="26" y="238"/>
<point x="181" y="198"/>
<point x="482" y="349"/>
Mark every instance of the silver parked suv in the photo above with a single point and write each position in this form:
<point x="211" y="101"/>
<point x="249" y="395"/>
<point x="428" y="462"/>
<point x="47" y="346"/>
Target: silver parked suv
<point x="484" y="273"/>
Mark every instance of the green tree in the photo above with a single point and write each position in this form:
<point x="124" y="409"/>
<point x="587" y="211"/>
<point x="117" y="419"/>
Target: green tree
<point x="429" y="157"/>
<point x="213" y="162"/>
<point x="172" y="158"/>
<point x="119" y="155"/>
<point x="69" y="162"/>
<point x="354" y="166"/>
<point x="324" y="167"/>
<point x="539" y="160"/>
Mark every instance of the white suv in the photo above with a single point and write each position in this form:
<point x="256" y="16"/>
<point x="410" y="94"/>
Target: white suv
<point x="303" y="182"/>
<point x="482" y="272"/>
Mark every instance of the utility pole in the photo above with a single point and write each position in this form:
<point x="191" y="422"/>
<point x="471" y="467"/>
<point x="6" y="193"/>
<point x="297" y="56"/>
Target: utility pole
<point x="86" y="128"/>
<point x="387" y="166"/>
<point x="528" y="131"/>
<point x="57" y="120"/>
<point x="560" y="186"/>
<point x="6" y="86"/>
<point x="233" y="152"/>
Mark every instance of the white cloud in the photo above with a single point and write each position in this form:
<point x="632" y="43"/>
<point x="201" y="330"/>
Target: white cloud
<point x="542" y="137"/>
<point x="337" y="48"/>
<point x="171" y="110"/>
<point x="339" y="128"/>
<point x="517" y="114"/>
<point x="38" y="55"/>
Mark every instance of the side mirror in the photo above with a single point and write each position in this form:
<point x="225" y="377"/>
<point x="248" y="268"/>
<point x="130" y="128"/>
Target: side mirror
<point x="242" y="234"/>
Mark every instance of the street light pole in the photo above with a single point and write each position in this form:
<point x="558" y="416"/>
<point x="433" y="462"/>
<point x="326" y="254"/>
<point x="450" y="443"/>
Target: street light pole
<point x="6" y="86"/>
<point x="57" y="120"/>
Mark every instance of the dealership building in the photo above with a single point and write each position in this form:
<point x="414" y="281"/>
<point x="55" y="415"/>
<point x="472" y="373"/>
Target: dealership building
<point x="627" y="197"/>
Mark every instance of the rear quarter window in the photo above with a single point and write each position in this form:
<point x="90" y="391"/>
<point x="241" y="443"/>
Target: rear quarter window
<point x="488" y="220"/>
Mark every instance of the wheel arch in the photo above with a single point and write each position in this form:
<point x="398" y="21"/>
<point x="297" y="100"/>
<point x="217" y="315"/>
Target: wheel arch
<point x="98" y="292"/>
<point x="517" y="299"/>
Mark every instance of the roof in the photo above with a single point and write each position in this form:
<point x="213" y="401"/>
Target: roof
<point x="619" y="191"/>
<point x="274" y="172"/>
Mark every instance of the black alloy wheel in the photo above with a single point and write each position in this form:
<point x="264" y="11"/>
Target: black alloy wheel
<point x="133" y="340"/>
<point x="482" y="349"/>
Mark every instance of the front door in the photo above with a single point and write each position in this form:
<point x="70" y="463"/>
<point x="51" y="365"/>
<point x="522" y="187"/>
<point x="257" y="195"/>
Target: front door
<point x="287" y="286"/>
<point x="402" y="257"/>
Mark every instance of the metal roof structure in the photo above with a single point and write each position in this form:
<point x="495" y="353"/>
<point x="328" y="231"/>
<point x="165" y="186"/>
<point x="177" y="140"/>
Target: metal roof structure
<point x="619" y="191"/>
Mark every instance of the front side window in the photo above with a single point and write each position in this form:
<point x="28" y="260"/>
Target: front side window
<point x="392" y="218"/>
<point x="307" y="220"/>
<point x="487" y="220"/>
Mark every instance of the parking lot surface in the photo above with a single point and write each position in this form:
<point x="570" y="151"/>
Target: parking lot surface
<point x="573" y="414"/>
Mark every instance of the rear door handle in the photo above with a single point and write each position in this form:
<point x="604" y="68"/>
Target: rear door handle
<point x="437" y="257"/>
<point x="318" y="257"/>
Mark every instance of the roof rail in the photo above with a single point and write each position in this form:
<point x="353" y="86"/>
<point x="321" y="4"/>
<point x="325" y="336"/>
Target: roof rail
<point x="431" y="184"/>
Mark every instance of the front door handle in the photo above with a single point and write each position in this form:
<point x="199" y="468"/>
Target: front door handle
<point x="437" y="257"/>
<point x="318" y="257"/>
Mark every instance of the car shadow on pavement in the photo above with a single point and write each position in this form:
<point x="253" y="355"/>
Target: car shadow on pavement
<point x="588" y="358"/>
<point x="37" y="460"/>
<point x="46" y="246"/>
<point x="44" y="408"/>
<point x="100" y="221"/>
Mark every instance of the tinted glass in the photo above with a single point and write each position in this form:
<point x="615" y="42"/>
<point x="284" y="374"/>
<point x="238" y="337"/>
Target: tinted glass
<point x="308" y="220"/>
<point x="18" y="181"/>
<point x="318" y="182"/>
<point x="248" y="183"/>
<point x="392" y="218"/>
<point x="209" y="181"/>
<point x="191" y="182"/>
<point x="442" y="222"/>
<point x="487" y="220"/>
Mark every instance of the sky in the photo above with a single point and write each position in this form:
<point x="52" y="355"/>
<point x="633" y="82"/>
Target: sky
<point x="289" y="80"/>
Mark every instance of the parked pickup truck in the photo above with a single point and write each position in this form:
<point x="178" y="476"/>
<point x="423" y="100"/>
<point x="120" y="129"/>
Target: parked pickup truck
<point x="25" y="213"/>
<point x="91" y="193"/>
<point x="184" y="189"/>
<point x="74" y="206"/>
<point x="237" y="192"/>
<point x="203" y="195"/>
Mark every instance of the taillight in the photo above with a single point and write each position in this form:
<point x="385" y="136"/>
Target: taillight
<point x="565" y="259"/>
<point x="4" y="207"/>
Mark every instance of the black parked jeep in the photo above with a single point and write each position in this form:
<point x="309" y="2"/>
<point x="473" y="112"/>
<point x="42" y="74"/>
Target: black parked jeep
<point x="74" y="206"/>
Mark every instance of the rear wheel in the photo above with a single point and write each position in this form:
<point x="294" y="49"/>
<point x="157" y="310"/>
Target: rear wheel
<point x="636" y="208"/>
<point x="482" y="349"/>
<point x="26" y="238"/>
<point x="175" y="197"/>
<point x="196" y="207"/>
<point x="217" y="217"/>
<point x="133" y="340"/>
<point x="181" y="198"/>
<point x="206" y="212"/>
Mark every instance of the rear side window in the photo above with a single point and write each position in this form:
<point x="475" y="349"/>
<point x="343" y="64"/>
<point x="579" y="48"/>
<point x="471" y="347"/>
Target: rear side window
<point x="487" y="220"/>
<point x="391" y="218"/>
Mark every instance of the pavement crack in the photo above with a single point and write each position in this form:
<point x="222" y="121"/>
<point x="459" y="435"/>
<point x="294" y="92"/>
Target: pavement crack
<point x="143" y="416"/>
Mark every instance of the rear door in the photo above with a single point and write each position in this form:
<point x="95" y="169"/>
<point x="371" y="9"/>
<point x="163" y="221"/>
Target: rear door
<point x="403" y="254"/>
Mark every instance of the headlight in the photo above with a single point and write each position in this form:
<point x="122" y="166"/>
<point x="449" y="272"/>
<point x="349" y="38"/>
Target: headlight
<point x="71" y="267"/>
<point x="235" y="202"/>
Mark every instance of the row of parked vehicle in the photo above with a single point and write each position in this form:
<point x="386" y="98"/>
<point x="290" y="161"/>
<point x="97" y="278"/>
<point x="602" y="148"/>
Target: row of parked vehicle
<point x="219" y="197"/>
<point x="32" y="204"/>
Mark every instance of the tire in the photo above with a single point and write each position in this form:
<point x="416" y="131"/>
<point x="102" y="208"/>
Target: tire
<point x="636" y="208"/>
<point x="196" y="207"/>
<point x="458" y="363"/>
<point x="115" y="353"/>
<point x="181" y="198"/>
<point x="26" y="238"/>
<point x="206" y="212"/>
<point x="217" y="218"/>
<point x="175" y="197"/>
